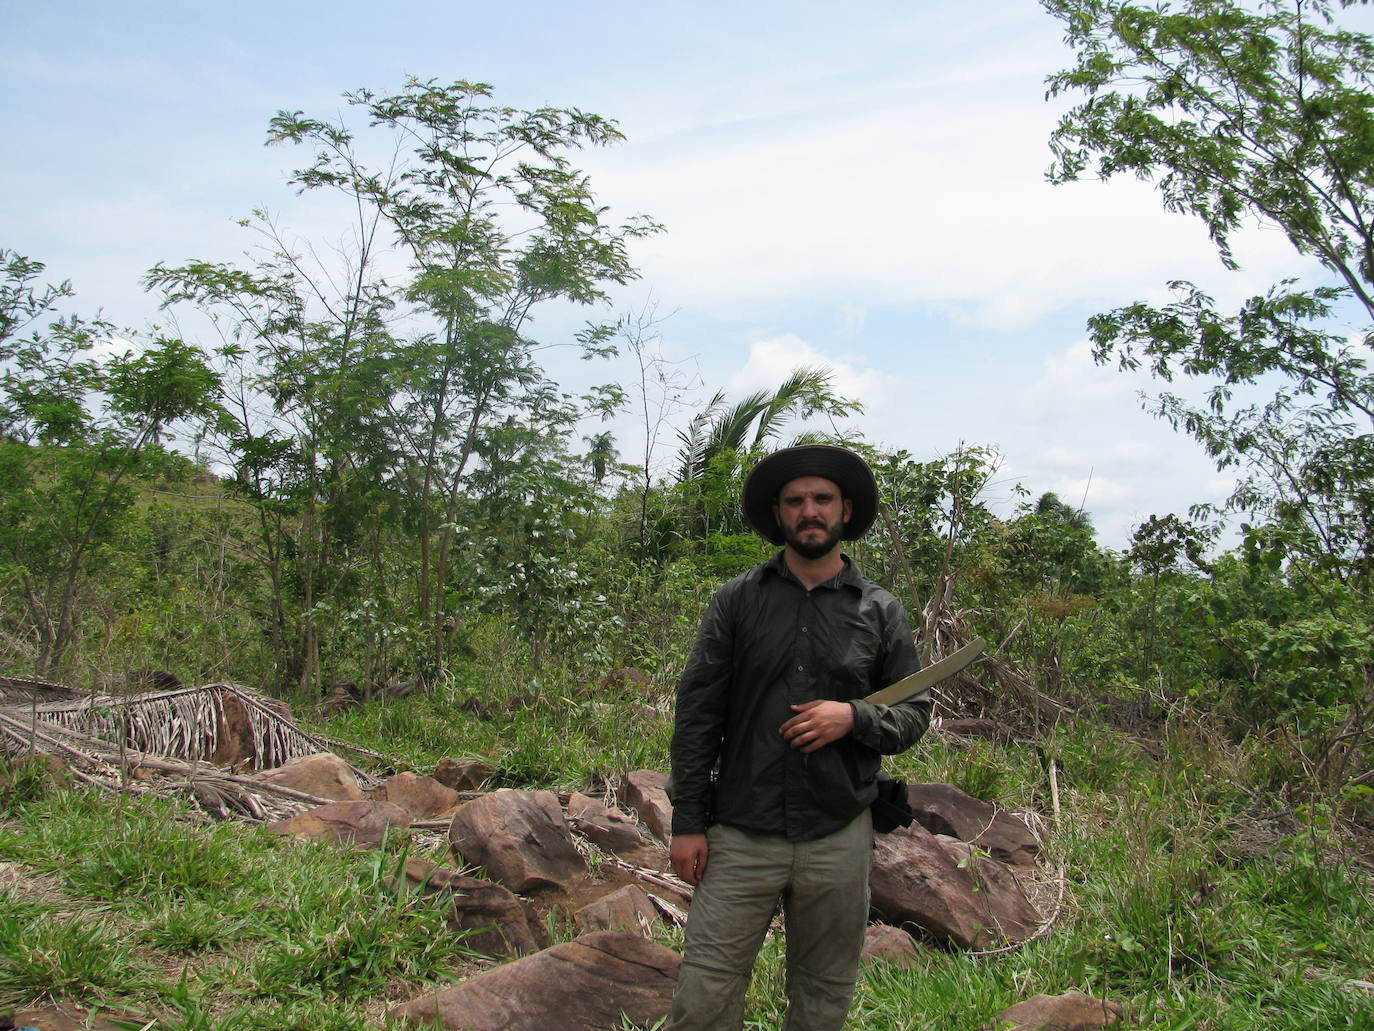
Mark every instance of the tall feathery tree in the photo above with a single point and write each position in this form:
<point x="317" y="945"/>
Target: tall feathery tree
<point x="374" y="384"/>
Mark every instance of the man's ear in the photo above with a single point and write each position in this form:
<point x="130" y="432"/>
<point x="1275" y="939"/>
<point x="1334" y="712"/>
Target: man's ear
<point x="777" y="514"/>
<point x="848" y="509"/>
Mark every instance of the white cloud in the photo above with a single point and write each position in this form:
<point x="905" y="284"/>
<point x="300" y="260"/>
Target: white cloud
<point x="920" y="191"/>
<point x="1079" y="429"/>
<point x="771" y="360"/>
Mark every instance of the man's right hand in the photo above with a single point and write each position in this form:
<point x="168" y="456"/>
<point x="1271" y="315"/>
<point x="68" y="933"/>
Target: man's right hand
<point x="688" y="853"/>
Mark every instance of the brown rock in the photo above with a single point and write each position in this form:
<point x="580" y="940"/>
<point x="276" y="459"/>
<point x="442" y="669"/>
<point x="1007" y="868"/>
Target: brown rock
<point x="589" y="984"/>
<point x="1000" y="887"/>
<point x="645" y="792"/>
<point x="608" y="829"/>
<point x="519" y="836"/>
<point x="916" y="881"/>
<point x="234" y="744"/>
<point x="497" y="922"/>
<point x="67" y="1018"/>
<point x="423" y="797"/>
<point x="1072" y="1011"/>
<point x="944" y="809"/>
<point x="323" y="775"/>
<point x="890" y="944"/>
<point x="363" y="824"/>
<point x="234" y="735"/>
<point x="627" y="909"/>
<point x="462" y="774"/>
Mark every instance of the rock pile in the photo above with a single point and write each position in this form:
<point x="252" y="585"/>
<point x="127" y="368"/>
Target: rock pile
<point x="958" y="876"/>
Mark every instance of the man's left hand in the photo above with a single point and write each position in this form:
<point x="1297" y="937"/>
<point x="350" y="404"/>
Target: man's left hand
<point x="817" y="724"/>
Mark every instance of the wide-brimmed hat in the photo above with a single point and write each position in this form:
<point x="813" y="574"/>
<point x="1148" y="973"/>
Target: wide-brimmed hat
<point x="839" y="465"/>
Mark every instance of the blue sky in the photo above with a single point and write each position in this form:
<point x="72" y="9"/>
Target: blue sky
<point x="859" y="187"/>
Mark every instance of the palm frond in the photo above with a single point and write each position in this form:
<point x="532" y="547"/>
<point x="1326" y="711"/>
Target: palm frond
<point x="187" y="724"/>
<point x="798" y="394"/>
<point x="731" y="428"/>
<point x="22" y="690"/>
<point x="692" y="454"/>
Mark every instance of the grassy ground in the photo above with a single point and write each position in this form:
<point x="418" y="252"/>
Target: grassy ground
<point x="1192" y="896"/>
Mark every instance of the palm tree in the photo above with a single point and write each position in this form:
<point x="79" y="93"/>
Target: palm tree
<point x="601" y="454"/>
<point x="1050" y="505"/>
<point x="720" y="437"/>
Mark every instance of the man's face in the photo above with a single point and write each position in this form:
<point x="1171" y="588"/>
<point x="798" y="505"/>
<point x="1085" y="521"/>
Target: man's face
<point x="812" y="515"/>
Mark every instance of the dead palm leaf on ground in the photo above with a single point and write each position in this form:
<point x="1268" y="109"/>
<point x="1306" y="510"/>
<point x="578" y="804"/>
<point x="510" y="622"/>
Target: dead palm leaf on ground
<point x="168" y="737"/>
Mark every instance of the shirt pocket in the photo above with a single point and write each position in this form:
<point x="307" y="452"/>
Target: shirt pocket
<point x="857" y="659"/>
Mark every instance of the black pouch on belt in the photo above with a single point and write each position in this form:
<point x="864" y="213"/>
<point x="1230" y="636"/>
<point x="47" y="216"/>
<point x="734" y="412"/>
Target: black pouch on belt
<point x="891" y="809"/>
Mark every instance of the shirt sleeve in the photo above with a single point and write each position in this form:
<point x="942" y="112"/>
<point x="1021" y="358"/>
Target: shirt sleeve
<point x="889" y="729"/>
<point x="699" y="720"/>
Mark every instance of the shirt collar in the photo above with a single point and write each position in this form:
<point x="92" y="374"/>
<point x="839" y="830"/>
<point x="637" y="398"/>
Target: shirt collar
<point x="848" y="576"/>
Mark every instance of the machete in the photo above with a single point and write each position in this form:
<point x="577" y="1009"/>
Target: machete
<point x="929" y="675"/>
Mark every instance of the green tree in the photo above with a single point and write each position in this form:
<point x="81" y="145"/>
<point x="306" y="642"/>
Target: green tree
<point x="936" y="541"/>
<point x="1155" y="548"/>
<point x="388" y="375"/>
<point x="1239" y="113"/>
<point x="1052" y="550"/>
<point x="75" y="430"/>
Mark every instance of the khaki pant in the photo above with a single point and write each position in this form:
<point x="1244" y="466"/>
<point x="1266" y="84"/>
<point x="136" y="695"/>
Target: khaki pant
<point x="823" y="886"/>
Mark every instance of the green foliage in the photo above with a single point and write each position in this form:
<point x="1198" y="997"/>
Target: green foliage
<point x="401" y="401"/>
<point x="939" y="532"/>
<point x="76" y="431"/>
<point x="175" y="925"/>
<point x="1094" y="761"/>
<point x="541" y="727"/>
<point x="347" y="937"/>
<point x="1052" y="550"/>
<point x="151" y="859"/>
<point x="45" y="956"/>
<point x="1236" y="112"/>
<point x="309" y="931"/>
<point x="24" y="779"/>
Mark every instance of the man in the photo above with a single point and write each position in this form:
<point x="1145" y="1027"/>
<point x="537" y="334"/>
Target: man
<point x="771" y="704"/>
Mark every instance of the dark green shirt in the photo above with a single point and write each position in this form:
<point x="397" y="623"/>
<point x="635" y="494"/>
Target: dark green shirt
<point x="767" y="643"/>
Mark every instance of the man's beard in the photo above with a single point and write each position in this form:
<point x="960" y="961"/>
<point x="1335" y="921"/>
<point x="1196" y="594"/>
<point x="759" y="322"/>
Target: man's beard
<point x="814" y="548"/>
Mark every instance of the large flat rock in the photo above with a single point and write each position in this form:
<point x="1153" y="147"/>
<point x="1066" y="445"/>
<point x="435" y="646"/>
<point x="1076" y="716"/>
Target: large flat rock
<point x="520" y="837"/>
<point x="588" y="984"/>
<point x="964" y="899"/>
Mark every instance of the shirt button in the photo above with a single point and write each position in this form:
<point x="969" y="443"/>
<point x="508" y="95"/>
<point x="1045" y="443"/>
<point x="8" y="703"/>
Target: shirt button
<point x="803" y="629"/>
<point x="801" y="669"/>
